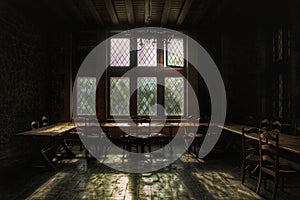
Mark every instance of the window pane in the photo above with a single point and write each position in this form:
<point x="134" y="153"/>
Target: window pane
<point x="119" y="95"/>
<point x="174" y="96"/>
<point x="86" y="96"/>
<point x="175" y="52"/>
<point x="147" y="95"/>
<point x="120" y="52"/>
<point x="147" y="52"/>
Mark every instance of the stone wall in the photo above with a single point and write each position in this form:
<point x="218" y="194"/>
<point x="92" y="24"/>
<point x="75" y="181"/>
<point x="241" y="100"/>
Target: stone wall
<point x="26" y="78"/>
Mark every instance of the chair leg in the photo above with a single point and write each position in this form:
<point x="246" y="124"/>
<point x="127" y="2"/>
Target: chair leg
<point x="124" y="144"/>
<point x="259" y="182"/>
<point x="282" y="184"/>
<point x="142" y="147"/>
<point x="265" y="184"/>
<point x="275" y="188"/>
<point x="129" y="146"/>
<point x="149" y="147"/>
<point x="243" y="174"/>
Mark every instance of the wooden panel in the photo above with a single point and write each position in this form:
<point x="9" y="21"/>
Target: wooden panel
<point x="121" y="10"/>
<point x="166" y="12"/>
<point x="129" y="10"/>
<point x="138" y="7"/>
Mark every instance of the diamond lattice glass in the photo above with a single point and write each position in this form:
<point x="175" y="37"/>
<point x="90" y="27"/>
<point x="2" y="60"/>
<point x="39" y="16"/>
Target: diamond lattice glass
<point x="146" y="93"/>
<point x="175" y="52"/>
<point x="119" y="95"/>
<point x="119" y="52"/>
<point x="174" y="96"/>
<point x="147" y="52"/>
<point x="86" y="95"/>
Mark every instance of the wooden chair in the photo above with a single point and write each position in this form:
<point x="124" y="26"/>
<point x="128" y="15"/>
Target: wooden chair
<point x="276" y="126"/>
<point x="35" y="124"/>
<point x="157" y="134"/>
<point x="92" y="137"/>
<point x="199" y="134"/>
<point x="264" y="125"/>
<point x="72" y="138"/>
<point x="189" y="134"/>
<point x="269" y="162"/>
<point x="125" y="139"/>
<point x="141" y="135"/>
<point x="250" y="156"/>
<point x="45" y="121"/>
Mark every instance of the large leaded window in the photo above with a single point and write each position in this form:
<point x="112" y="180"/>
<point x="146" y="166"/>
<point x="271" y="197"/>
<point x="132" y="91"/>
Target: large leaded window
<point x="174" y="95"/>
<point x="141" y="93"/>
<point x="147" y="52"/>
<point x="175" y="52"/>
<point x="146" y="95"/>
<point x="86" y="96"/>
<point x="120" y="52"/>
<point x="119" y="95"/>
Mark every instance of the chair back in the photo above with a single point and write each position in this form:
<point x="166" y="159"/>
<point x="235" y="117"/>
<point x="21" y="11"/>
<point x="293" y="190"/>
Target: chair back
<point x="268" y="149"/>
<point x="142" y="127"/>
<point x="248" y="143"/>
<point x="35" y="124"/>
<point x="276" y="126"/>
<point x="45" y="121"/>
<point x="190" y="123"/>
<point x="264" y="125"/>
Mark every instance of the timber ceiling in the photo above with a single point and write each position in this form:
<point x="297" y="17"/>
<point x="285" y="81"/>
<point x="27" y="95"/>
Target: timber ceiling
<point x="164" y="13"/>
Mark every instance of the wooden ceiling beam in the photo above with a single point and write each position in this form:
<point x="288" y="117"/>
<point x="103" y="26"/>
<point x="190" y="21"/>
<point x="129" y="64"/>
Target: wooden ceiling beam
<point x="129" y="9"/>
<point x="184" y="11"/>
<point x="165" y="13"/>
<point x="111" y="10"/>
<point x="92" y="9"/>
<point x="147" y="12"/>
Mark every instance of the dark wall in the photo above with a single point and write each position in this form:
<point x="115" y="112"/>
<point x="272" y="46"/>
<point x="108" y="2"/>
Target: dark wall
<point x="248" y="70"/>
<point x="294" y="16"/>
<point x="244" y="64"/>
<point x="30" y="60"/>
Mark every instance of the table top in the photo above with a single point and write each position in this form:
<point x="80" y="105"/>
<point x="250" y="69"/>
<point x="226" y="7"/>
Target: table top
<point x="49" y="131"/>
<point x="287" y="142"/>
<point x="155" y="124"/>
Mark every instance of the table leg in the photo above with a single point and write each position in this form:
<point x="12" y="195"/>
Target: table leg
<point x="48" y="151"/>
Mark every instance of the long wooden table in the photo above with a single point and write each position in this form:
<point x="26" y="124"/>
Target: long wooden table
<point x="53" y="135"/>
<point x="155" y="126"/>
<point x="287" y="142"/>
<point x="49" y="131"/>
<point x="290" y="143"/>
<point x="169" y="125"/>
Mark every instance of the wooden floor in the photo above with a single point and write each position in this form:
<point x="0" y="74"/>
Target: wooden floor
<point x="215" y="177"/>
